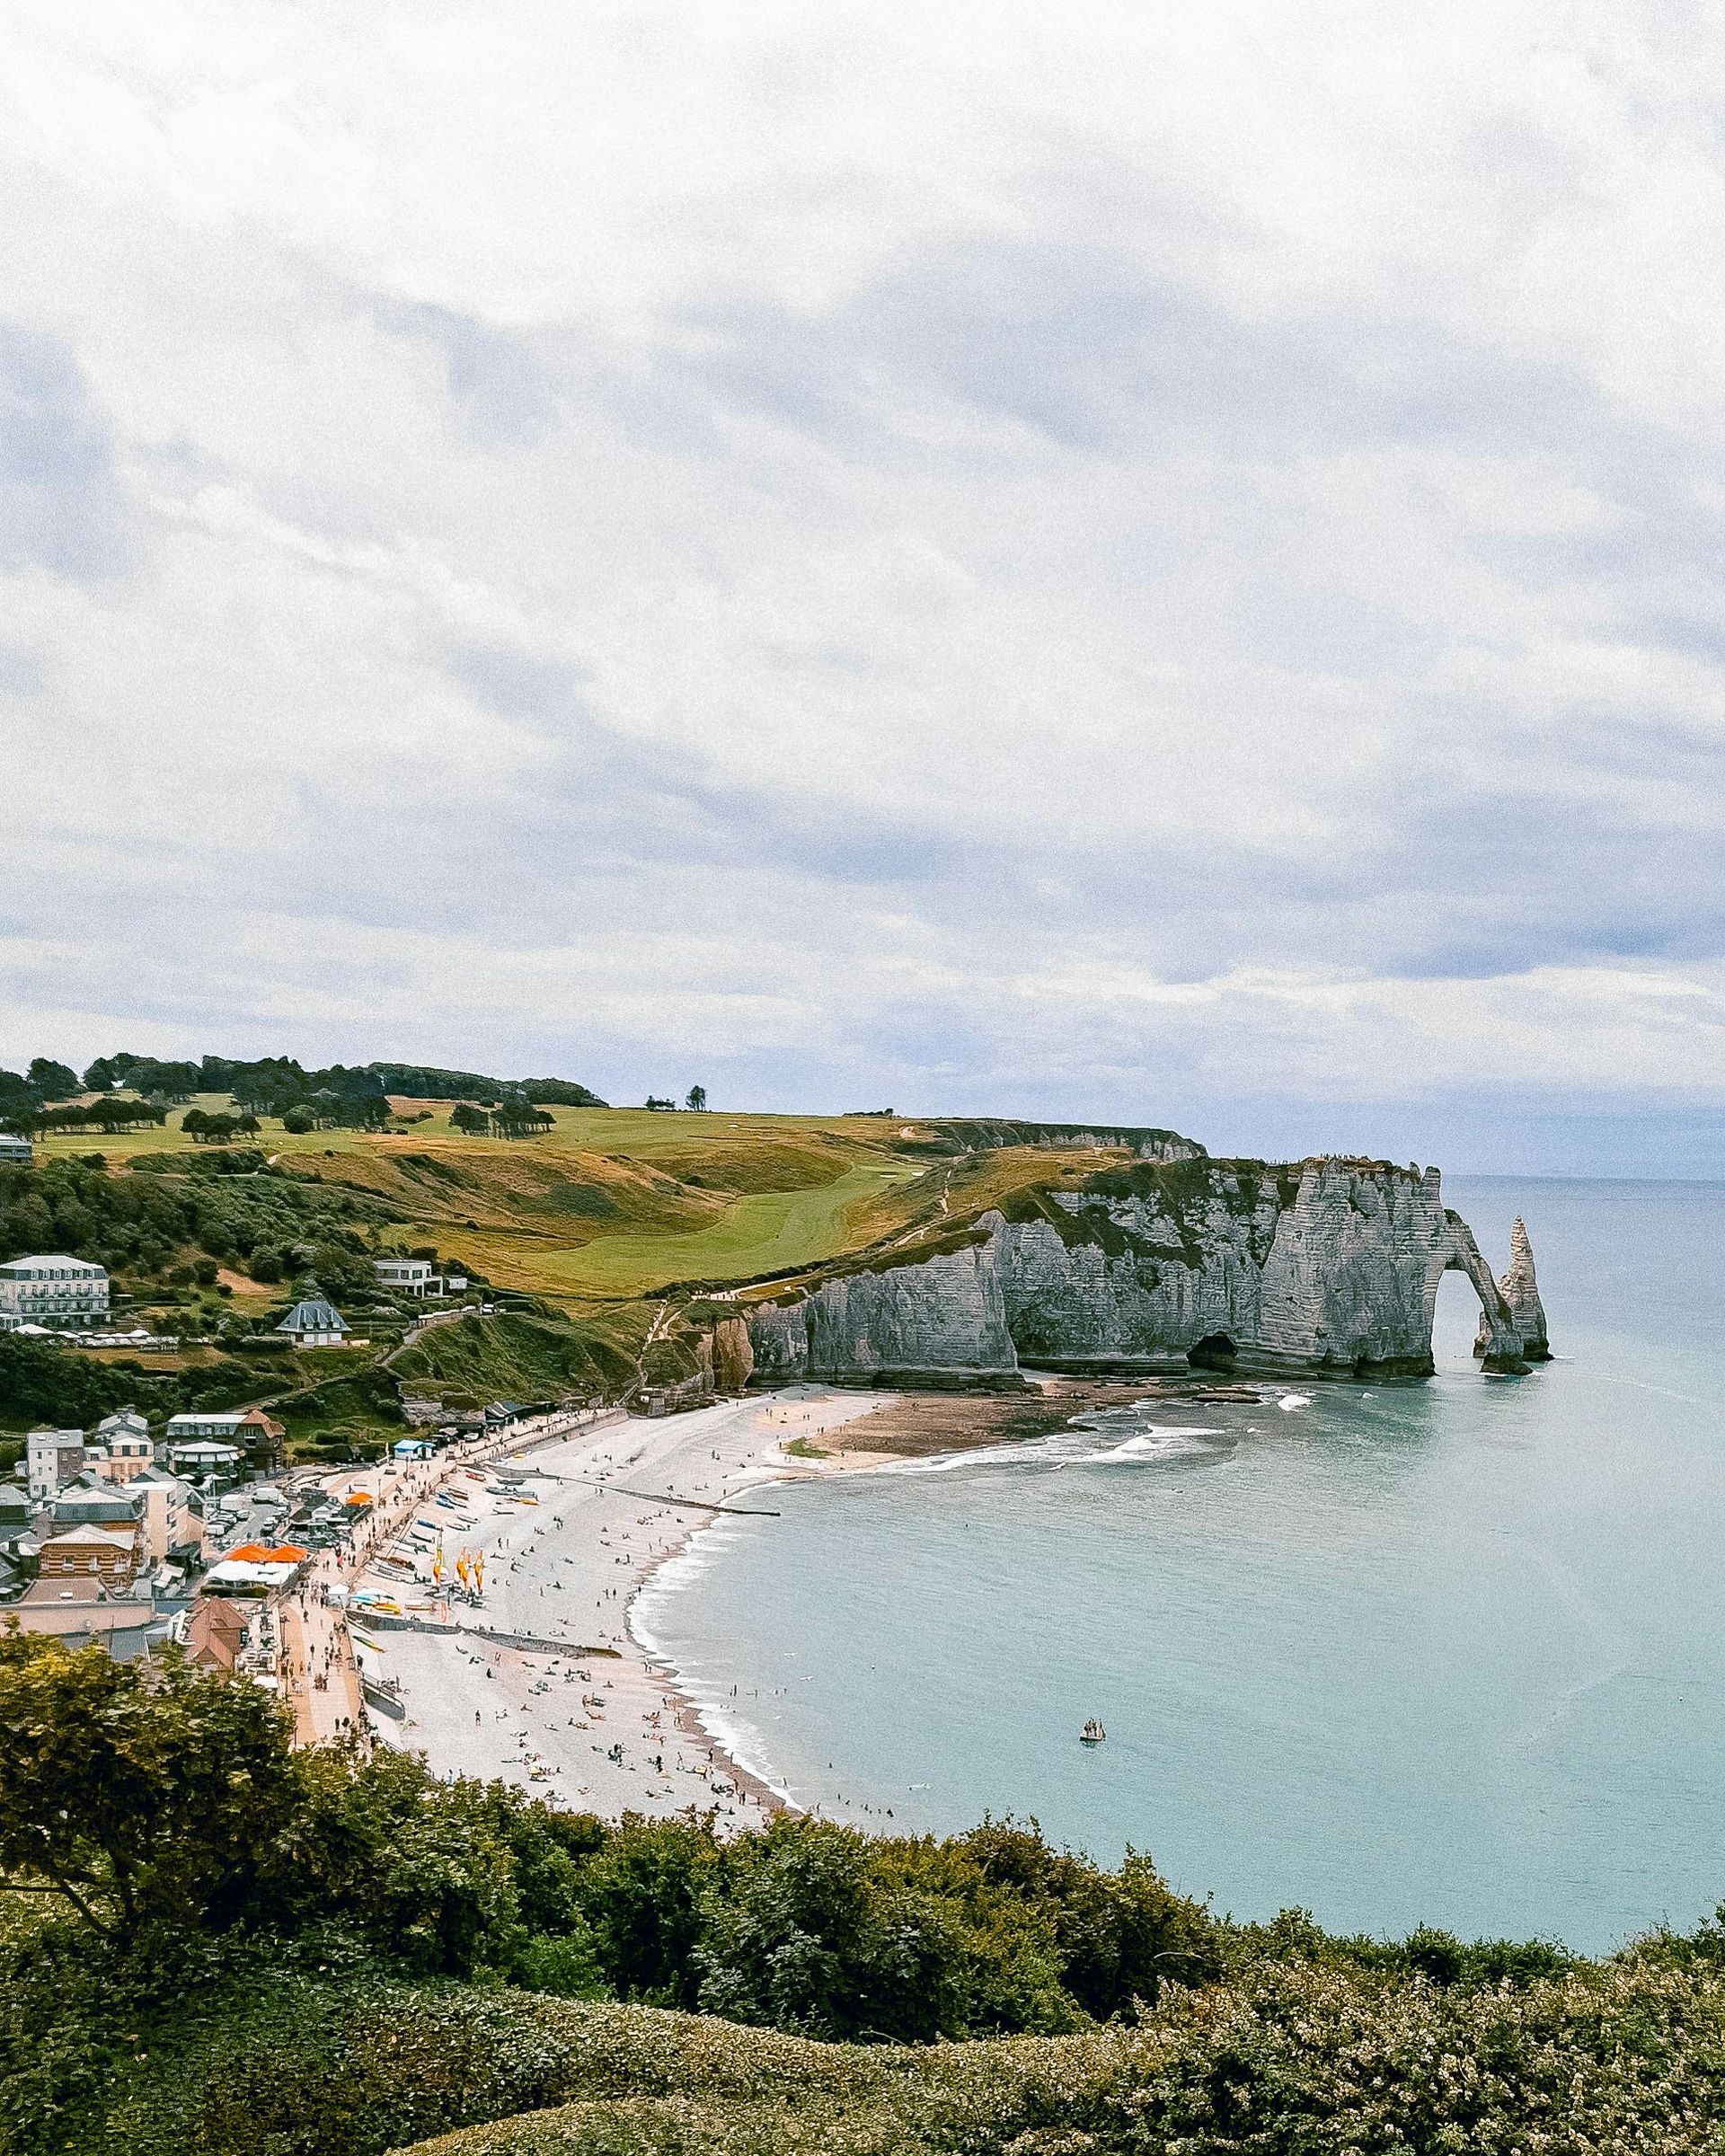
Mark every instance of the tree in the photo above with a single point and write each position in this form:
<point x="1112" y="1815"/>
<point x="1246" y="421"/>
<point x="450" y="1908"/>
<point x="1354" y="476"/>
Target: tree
<point x="141" y="1794"/>
<point x="298" y="1121"/>
<point x="697" y="1098"/>
<point x="473" y="1121"/>
<point x="52" y="1080"/>
<point x="101" y="1077"/>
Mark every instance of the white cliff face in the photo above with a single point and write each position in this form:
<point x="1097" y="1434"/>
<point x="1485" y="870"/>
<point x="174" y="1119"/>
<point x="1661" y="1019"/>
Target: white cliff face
<point x="945" y="1315"/>
<point x="1352" y="1274"/>
<point x="1337" y="1270"/>
<point x="1130" y="1279"/>
<point x="1519" y="1289"/>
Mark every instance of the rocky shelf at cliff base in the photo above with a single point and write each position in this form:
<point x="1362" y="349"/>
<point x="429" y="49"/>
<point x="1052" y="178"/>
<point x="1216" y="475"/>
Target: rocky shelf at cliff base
<point x="1331" y="1266"/>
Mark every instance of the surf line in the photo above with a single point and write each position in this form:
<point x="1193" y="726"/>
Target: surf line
<point x="657" y="1496"/>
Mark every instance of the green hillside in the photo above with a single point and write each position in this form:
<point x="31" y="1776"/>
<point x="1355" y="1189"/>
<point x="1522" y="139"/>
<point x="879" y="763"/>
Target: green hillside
<point x="605" y="1226"/>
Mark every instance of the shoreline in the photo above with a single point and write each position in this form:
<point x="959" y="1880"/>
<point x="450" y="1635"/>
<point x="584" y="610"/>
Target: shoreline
<point x="605" y="1499"/>
<point x="624" y="1494"/>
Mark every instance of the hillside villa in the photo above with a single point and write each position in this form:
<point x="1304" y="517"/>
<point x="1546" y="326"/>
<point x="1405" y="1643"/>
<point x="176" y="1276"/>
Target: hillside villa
<point x="314" y="1321"/>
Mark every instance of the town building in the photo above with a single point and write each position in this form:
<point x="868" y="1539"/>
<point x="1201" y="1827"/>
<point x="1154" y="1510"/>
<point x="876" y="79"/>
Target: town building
<point x="202" y="1456"/>
<point x="51" y="1458"/>
<point x="256" y="1571"/>
<point x="76" y="1609"/>
<point x="16" y="1150"/>
<point x="17" y="1542"/>
<point x="249" y="1428"/>
<point x="62" y="1295"/>
<point x="314" y="1321"/>
<point x="171" y="1521"/>
<point x="91" y="1529"/>
<point x="407" y="1275"/>
<point x="120" y="1446"/>
<point x="92" y="1553"/>
<point x="217" y="1632"/>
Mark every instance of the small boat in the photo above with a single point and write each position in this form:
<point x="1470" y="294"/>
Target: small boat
<point x="1095" y="1732"/>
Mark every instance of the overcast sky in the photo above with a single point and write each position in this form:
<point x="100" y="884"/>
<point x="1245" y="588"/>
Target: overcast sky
<point x="1147" y="562"/>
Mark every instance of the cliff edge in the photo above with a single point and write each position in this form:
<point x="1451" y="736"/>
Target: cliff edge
<point x="1333" y="1265"/>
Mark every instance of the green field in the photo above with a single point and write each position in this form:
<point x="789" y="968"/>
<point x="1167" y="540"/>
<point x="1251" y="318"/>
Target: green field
<point x="762" y="1233"/>
<point x="609" y="1202"/>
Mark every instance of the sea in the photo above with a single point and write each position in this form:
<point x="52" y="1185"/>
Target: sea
<point x="1445" y="1652"/>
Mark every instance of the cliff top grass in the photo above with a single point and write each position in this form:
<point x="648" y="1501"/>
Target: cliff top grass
<point x="609" y="1202"/>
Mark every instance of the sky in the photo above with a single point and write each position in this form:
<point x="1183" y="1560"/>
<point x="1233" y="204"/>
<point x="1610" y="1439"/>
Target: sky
<point x="1152" y="563"/>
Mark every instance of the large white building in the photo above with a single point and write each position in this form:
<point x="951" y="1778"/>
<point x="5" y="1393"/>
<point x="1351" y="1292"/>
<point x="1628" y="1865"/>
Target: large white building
<point x="65" y="1295"/>
<point x="407" y="1275"/>
<point x="14" y="1148"/>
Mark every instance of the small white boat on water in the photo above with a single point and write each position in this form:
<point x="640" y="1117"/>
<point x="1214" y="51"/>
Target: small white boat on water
<point x="1093" y="1733"/>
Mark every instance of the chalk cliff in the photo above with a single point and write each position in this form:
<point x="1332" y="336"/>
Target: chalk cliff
<point x="1520" y="1292"/>
<point x="1333" y="1265"/>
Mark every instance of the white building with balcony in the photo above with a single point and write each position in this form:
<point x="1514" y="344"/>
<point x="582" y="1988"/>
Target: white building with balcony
<point x="65" y="1295"/>
<point x="15" y="1149"/>
<point x="407" y="1275"/>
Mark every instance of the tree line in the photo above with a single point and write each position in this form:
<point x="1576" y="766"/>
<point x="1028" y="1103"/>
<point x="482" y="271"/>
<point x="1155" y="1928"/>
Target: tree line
<point x="102" y="1116"/>
<point x="157" y="1803"/>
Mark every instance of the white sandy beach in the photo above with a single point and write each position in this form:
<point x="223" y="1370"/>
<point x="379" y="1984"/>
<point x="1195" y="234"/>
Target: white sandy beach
<point x="605" y="1732"/>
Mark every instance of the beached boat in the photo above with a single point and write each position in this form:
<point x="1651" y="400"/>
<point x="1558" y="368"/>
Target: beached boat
<point x="1093" y="1733"/>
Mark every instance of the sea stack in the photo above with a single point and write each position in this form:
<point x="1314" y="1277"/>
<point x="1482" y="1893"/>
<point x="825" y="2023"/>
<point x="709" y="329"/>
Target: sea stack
<point x="1521" y="1293"/>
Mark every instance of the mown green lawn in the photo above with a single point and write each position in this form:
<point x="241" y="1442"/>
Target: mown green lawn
<point x="759" y="1234"/>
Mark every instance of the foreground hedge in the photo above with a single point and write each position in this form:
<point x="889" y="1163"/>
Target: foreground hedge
<point x="1306" y="2058"/>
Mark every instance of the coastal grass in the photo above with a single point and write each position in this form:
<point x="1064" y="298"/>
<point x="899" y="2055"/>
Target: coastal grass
<point x="1314" y="2052"/>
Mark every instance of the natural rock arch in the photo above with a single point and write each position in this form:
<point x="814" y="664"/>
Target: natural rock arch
<point x="1512" y="1321"/>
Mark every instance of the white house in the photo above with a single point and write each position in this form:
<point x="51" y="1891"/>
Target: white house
<point x="407" y="1275"/>
<point x="53" y="1458"/>
<point x="223" y="1425"/>
<point x="14" y="1148"/>
<point x="65" y="1295"/>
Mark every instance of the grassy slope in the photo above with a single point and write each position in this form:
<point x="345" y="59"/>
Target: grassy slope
<point x="1287" y="2055"/>
<point x="762" y="1232"/>
<point x="609" y="1202"/>
<point x="610" y="1208"/>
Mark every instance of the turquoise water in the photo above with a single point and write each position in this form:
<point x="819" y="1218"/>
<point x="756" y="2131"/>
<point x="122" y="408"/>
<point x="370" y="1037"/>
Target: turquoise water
<point x="1447" y="1652"/>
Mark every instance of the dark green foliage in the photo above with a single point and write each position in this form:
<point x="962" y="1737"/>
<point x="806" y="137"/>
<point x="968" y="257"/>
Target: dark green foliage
<point x="644" y="1893"/>
<point x="43" y="1382"/>
<point x="148" y="1804"/>
<point x="1121" y="1935"/>
<point x="270" y="1084"/>
<point x="264" y="1953"/>
<point x="103" y="1115"/>
<point x="205" y="1129"/>
<point x="827" y="1932"/>
<point x="51" y="1081"/>
<point x="141" y="1222"/>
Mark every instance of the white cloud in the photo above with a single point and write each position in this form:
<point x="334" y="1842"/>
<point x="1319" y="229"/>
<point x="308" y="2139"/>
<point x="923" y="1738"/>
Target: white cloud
<point x="868" y="540"/>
